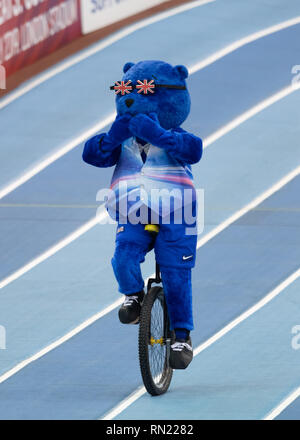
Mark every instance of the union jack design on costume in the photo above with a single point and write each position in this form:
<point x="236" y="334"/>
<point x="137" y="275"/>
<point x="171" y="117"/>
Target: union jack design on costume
<point x="123" y="88"/>
<point x="145" y="86"/>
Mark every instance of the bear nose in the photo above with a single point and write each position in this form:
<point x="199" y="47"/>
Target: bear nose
<point x="129" y="102"/>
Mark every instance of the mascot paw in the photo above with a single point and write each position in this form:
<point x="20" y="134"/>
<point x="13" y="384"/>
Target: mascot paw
<point x="146" y="127"/>
<point x="120" y="128"/>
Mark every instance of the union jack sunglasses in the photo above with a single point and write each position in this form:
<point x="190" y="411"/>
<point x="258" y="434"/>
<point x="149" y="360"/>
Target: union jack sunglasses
<point x="142" y="87"/>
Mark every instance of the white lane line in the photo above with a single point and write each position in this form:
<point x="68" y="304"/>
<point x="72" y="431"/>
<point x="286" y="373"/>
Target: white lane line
<point x="192" y="69"/>
<point x="200" y="243"/>
<point x="283" y="405"/>
<point x="255" y="202"/>
<point x="60" y="341"/>
<point x="243" y="41"/>
<point x="206" y="142"/>
<point x="124" y="404"/>
<point x="56" y="155"/>
<point x="251" y="112"/>
<point x="98" y="47"/>
<point x="265" y="300"/>
<point x="54" y="249"/>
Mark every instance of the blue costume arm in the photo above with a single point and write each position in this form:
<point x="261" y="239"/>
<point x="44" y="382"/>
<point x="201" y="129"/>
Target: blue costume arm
<point x="180" y="144"/>
<point x="104" y="149"/>
<point x="100" y="151"/>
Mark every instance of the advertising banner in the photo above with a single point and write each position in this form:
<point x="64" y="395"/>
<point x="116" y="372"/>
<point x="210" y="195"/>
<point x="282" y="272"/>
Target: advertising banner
<point x="97" y="14"/>
<point x="31" y="29"/>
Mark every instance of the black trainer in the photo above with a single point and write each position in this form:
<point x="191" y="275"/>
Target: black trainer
<point x="129" y="312"/>
<point x="181" y="354"/>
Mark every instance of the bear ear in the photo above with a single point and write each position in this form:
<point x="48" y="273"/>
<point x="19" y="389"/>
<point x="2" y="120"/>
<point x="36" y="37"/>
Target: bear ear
<point x="182" y="71"/>
<point x="127" y="67"/>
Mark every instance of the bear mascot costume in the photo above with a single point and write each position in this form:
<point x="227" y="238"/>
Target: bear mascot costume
<point x="152" y="153"/>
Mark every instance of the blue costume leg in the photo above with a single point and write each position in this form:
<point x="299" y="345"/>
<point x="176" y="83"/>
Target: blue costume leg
<point x="178" y="291"/>
<point x="132" y="244"/>
<point x="176" y="254"/>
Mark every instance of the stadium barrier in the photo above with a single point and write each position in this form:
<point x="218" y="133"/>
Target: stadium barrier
<point x="35" y="34"/>
<point x="96" y="14"/>
<point x="31" y="29"/>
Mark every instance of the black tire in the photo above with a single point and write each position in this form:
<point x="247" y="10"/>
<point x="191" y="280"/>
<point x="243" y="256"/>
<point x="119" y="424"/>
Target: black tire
<point x="154" y="355"/>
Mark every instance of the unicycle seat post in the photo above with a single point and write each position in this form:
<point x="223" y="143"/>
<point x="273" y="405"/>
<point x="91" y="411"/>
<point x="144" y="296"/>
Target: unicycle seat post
<point x="153" y="230"/>
<point x="157" y="273"/>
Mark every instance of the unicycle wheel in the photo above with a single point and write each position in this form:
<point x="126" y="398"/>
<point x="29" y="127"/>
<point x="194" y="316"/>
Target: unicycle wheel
<point x="154" y="343"/>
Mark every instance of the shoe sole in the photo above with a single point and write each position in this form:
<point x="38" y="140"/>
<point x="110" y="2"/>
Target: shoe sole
<point x="181" y="364"/>
<point x="136" y="321"/>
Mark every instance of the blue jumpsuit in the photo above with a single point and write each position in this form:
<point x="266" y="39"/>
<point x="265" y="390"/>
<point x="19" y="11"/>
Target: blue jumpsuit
<point x="141" y="172"/>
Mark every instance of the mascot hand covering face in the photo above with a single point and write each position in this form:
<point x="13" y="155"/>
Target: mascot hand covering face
<point x="152" y="155"/>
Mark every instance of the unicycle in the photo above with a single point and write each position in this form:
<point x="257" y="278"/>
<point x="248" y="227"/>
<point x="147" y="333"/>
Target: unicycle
<point x="155" y="339"/>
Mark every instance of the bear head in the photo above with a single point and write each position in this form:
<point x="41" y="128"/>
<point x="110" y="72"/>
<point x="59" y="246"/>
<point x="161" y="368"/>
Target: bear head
<point x="171" y="105"/>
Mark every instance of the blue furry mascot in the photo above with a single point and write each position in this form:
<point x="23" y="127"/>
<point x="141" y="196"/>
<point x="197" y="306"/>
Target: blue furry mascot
<point x="152" y="155"/>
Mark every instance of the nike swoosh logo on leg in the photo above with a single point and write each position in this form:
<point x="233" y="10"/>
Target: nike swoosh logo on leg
<point x="187" y="258"/>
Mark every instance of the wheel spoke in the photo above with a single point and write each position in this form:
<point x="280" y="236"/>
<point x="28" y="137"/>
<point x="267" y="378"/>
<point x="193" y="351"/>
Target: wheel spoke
<point x="157" y="350"/>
